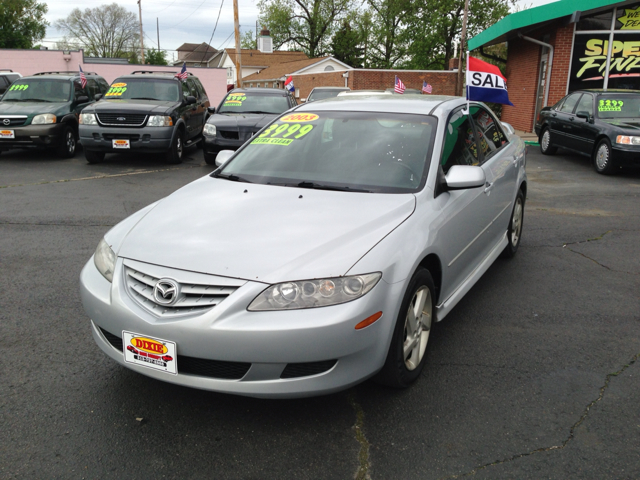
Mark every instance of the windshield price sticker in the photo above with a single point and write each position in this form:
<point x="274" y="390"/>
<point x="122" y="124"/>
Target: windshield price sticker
<point x="235" y="100"/>
<point x="18" y="87"/>
<point x="283" y="134"/>
<point x="300" y="117"/>
<point x="610" y="105"/>
<point x="116" y="90"/>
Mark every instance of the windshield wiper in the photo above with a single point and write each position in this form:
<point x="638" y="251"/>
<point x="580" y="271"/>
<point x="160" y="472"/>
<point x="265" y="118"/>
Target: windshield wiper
<point x="143" y="98"/>
<point x="259" y="111"/>
<point x="232" y="177"/>
<point x="319" y="186"/>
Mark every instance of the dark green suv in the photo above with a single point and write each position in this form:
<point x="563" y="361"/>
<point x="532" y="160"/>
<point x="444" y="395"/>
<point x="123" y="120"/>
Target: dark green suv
<point x="41" y="111"/>
<point x="147" y="111"/>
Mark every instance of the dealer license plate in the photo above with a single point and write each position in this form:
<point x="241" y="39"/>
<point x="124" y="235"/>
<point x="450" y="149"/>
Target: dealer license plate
<point x="150" y="352"/>
<point x="121" y="144"/>
<point x="7" y="134"/>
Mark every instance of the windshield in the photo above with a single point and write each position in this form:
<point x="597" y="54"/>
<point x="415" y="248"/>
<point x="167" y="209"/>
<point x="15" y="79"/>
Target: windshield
<point x="38" y="90"/>
<point x="254" y="103"/>
<point x="351" y="151"/>
<point x="618" y="106"/>
<point x="322" y="94"/>
<point x="167" y="90"/>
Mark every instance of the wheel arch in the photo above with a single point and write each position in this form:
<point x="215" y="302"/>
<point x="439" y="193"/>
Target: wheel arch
<point x="432" y="263"/>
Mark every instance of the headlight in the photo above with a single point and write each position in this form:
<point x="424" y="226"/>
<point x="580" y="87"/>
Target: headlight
<point x="314" y="293"/>
<point x="209" y="130"/>
<point x="627" y="140"/>
<point x="105" y="260"/>
<point x="88" y="119"/>
<point x="159" y="121"/>
<point x="43" y="118"/>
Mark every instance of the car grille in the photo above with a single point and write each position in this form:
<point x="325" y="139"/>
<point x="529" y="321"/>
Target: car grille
<point x="14" y="121"/>
<point x="195" y="366"/>
<point x="134" y="137"/>
<point x="192" y="299"/>
<point x="296" y="370"/>
<point x="122" y="119"/>
<point x="229" y="135"/>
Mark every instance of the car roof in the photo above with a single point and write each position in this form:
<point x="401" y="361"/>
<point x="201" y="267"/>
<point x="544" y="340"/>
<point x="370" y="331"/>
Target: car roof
<point x="416" y="104"/>
<point x="131" y="76"/>
<point x="608" y="90"/>
<point x="331" y="88"/>
<point x="266" y="91"/>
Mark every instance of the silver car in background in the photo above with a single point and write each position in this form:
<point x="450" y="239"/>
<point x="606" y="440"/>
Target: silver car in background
<point x="318" y="255"/>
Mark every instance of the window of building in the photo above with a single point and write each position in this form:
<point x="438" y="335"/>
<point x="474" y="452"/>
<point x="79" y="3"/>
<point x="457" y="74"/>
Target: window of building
<point x="329" y="68"/>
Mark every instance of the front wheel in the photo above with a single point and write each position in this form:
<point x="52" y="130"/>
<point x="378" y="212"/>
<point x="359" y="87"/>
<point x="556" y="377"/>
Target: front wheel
<point x="67" y="147"/>
<point x="210" y="158"/>
<point x="93" y="157"/>
<point x="407" y="353"/>
<point x="515" y="227"/>
<point x="602" y="158"/>
<point x="545" y="143"/>
<point x="174" y="155"/>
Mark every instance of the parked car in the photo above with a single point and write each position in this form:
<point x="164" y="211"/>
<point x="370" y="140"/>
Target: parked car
<point x="41" y="111"/>
<point x="242" y="113"/>
<point x="319" y="254"/>
<point x="322" y="93"/>
<point x="360" y="93"/>
<point x="604" y="125"/>
<point x="147" y="111"/>
<point x="7" y="77"/>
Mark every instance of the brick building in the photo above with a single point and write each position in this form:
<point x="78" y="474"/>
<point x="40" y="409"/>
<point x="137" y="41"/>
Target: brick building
<point x="569" y="41"/>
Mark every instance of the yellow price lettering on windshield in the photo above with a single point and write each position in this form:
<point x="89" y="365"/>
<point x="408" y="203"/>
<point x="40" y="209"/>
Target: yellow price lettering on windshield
<point x="120" y="84"/>
<point x="235" y="100"/>
<point x="115" y="91"/>
<point x="283" y="131"/>
<point x="300" y="117"/>
<point x="610" y="105"/>
<point x="18" y="87"/>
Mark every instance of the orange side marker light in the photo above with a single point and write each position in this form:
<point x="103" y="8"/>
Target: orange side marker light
<point x="369" y="320"/>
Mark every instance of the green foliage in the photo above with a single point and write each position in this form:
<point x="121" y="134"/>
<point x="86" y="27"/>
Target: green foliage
<point x="155" y="57"/>
<point x="389" y="37"/>
<point x="346" y="46"/>
<point x="247" y="40"/>
<point x="22" y="23"/>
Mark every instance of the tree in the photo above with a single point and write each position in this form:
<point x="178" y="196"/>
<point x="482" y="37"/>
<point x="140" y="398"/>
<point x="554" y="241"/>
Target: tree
<point x="104" y="31"/>
<point x="247" y="40"/>
<point x="308" y="24"/>
<point x="389" y="40"/>
<point x="346" y="46"/>
<point x="22" y="23"/>
<point x="155" y="57"/>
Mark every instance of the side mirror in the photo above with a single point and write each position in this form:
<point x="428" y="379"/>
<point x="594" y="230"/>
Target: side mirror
<point x="223" y="157"/>
<point x="189" y="100"/>
<point x="97" y="97"/>
<point x="507" y="126"/>
<point x="462" y="177"/>
<point x="583" y="114"/>
<point x="82" y="99"/>
<point x="211" y="110"/>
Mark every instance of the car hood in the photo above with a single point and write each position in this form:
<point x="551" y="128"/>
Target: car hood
<point x="29" y="108"/>
<point x="628" y="123"/>
<point x="263" y="232"/>
<point x="133" y="106"/>
<point x="244" y="121"/>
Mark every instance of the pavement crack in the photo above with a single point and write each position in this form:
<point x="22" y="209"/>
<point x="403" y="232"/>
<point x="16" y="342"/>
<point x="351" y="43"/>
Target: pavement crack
<point x="595" y="239"/>
<point x="44" y="224"/>
<point x="571" y="435"/>
<point x="589" y="258"/>
<point x="363" y="454"/>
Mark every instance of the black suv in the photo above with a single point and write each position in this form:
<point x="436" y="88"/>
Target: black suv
<point x="42" y="110"/>
<point x="242" y="113"/>
<point x="146" y="111"/>
<point x="7" y="77"/>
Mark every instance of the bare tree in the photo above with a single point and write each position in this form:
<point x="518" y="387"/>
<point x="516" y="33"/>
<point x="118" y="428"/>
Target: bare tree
<point x="104" y="31"/>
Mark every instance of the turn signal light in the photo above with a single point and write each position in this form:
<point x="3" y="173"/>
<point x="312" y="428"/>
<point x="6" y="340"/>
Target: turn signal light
<point x="369" y="320"/>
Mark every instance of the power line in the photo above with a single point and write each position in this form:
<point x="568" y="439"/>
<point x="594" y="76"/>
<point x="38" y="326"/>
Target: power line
<point x="213" y="33"/>
<point x="187" y="17"/>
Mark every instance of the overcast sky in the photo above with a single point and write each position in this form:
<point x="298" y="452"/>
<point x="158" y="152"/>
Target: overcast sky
<point x="181" y="21"/>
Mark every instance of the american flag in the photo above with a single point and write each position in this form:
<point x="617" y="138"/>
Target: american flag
<point x="183" y="73"/>
<point x="83" y="79"/>
<point x="399" y="88"/>
<point x="426" y="88"/>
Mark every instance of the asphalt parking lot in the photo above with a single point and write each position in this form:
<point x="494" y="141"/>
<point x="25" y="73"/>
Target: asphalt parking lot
<point x="535" y="374"/>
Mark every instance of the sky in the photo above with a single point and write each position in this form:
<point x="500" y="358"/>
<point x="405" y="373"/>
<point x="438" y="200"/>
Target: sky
<point x="181" y="21"/>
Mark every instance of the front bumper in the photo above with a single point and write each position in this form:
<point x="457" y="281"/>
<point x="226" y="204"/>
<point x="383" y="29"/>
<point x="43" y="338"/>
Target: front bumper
<point x="267" y="341"/>
<point x="214" y="145"/>
<point x="148" y="139"/>
<point x="626" y="156"/>
<point x="33" y="136"/>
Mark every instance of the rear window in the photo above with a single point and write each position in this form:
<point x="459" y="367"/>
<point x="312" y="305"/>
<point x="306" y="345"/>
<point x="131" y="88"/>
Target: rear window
<point x="49" y="90"/>
<point x="166" y="90"/>
<point x="247" y="102"/>
<point x="618" y="106"/>
<point x="323" y="94"/>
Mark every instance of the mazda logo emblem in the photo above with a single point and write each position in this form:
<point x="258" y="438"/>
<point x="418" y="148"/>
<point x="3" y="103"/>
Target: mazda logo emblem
<point x="121" y="119"/>
<point x="166" y="292"/>
<point x="6" y="121"/>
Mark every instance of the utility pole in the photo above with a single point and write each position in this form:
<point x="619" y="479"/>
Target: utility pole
<point x="141" y="39"/>
<point x="463" y="45"/>
<point x="158" y="30"/>
<point x="236" y="26"/>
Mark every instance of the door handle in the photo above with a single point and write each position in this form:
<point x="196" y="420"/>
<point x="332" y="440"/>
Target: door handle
<point x="572" y="118"/>
<point x="487" y="187"/>
<point x="554" y="114"/>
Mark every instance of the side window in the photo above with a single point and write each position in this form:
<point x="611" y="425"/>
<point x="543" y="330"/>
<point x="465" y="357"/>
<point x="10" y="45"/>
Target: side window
<point x="570" y="102"/>
<point x="104" y="86"/>
<point x="193" y="88"/>
<point x="92" y="87"/>
<point x="79" y="91"/>
<point x="585" y="104"/>
<point x="186" y="91"/>
<point x="490" y="134"/>
<point x="201" y="90"/>
<point x="460" y="146"/>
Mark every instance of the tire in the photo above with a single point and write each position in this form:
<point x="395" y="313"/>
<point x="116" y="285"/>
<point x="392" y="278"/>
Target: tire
<point x="545" y="143"/>
<point x="603" y="158"/>
<point x="176" y="150"/>
<point x="514" y="233"/>
<point x="69" y="144"/>
<point x="408" y="349"/>
<point x="93" y="157"/>
<point x="210" y="158"/>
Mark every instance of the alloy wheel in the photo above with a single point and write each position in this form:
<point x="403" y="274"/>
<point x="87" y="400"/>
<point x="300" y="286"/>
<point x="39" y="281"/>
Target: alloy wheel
<point x="179" y="146"/>
<point x="516" y="223"/>
<point x="546" y="139"/>
<point x="417" y="328"/>
<point x="602" y="156"/>
<point x="71" y="143"/>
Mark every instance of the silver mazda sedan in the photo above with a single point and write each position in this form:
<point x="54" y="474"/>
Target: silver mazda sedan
<point x="319" y="254"/>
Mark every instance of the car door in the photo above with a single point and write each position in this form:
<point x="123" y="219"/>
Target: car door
<point x="464" y="214"/>
<point x="585" y="130"/>
<point x="197" y="110"/>
<point x="500" y="168"/>
<point x="563" y="135"/>
<point x="79" y="103"/>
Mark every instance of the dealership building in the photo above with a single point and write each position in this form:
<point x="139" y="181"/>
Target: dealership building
<point x="564" y="46"/>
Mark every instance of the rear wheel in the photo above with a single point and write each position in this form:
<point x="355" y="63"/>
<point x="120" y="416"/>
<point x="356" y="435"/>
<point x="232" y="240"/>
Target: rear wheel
<point x="68" y="145"/>
<point x="545" y="143"/>
<point x="93" y="157"/>
<point x="515" y="227"/>
<point x="407" y="353"/>
<point x="174" y="155"/>
<point x="603" y="159"/>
